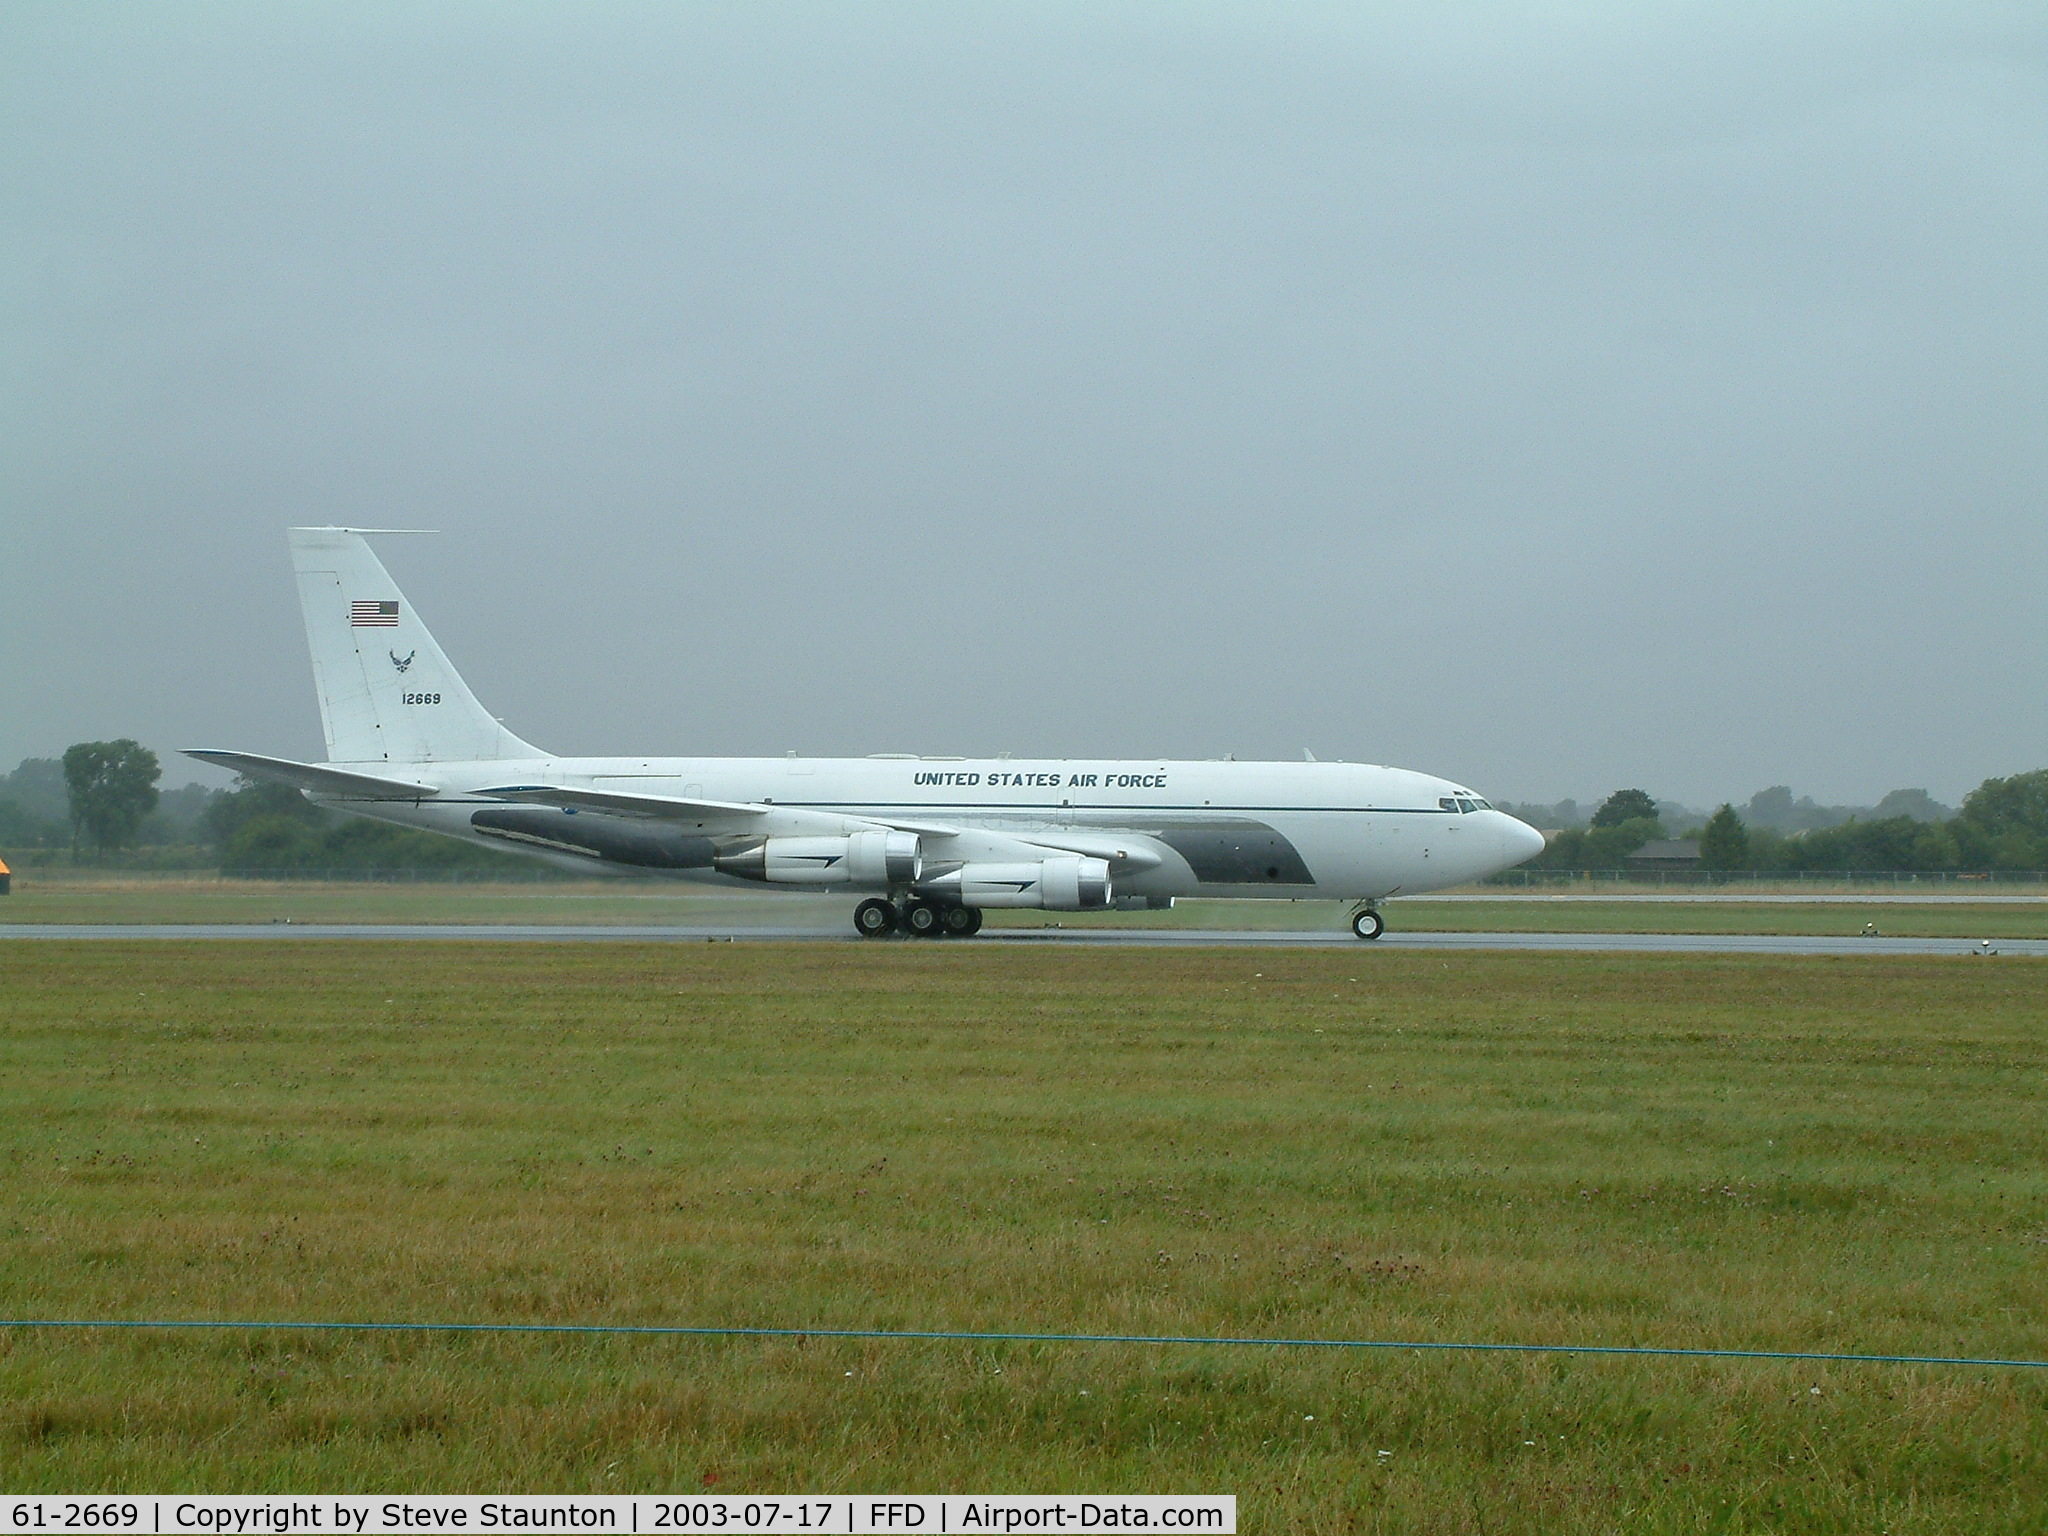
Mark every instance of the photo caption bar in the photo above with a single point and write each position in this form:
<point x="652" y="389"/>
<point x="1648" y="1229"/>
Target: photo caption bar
<point x="359" y="1514"/>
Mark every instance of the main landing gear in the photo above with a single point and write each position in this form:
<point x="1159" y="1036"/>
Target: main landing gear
<point x="874" y="919"/>
<point x="1367" y="923"/>
<point x="877" y="919"/>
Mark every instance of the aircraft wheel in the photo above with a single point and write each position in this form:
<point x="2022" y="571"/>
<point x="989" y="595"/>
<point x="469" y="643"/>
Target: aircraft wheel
<point x="974" y="920"/>
<point x="1368" y="924"/>
<point x="922" y="920"/>
<point x="962" y="922"/>
<point x="874" y="919"/>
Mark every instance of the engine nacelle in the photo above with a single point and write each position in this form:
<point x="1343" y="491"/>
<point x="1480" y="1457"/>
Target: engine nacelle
<point x="884" y="858"/>
<point x="879" y="858"/>
<point x="1063" y="884"/>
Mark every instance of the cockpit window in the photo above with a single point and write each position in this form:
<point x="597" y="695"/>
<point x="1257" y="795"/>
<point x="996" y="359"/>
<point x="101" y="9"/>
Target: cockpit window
<point x="1463" y="805"/>
<point x="1447" y="804"/>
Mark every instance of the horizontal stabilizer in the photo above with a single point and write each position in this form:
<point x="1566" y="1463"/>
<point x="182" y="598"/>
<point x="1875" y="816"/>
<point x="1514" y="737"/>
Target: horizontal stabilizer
<point x="333" y="783"/>
<point x="646" y="807"/>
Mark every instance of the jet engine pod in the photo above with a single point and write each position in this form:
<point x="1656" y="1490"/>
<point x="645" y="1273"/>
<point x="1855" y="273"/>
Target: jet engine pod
<point x="1076" y="885"/>
<point x="1060" y="884"/>
<point x="877" y="858"/>
<point x="787" y="861"/>
<point x="884" y="858"/>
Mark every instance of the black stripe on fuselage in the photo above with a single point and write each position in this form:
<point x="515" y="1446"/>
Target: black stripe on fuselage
<point x="899" y="806"/>
<point x="914" y="808"/>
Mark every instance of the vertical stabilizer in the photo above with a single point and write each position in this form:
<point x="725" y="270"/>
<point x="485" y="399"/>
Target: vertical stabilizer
<point x="387" y="694"/>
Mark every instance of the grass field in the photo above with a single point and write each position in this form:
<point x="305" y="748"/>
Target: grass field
<point x="39" y="899"/>
<point x="1692" y="1151"/>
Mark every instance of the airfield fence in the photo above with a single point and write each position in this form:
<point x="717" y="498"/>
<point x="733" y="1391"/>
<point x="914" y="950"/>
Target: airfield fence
<point x="1698" y="877"/>
<point x="517" y="874"/>
<point x="539" y="875"/>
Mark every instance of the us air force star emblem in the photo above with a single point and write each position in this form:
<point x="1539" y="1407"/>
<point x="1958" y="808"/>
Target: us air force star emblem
<point x="402" y="662"/>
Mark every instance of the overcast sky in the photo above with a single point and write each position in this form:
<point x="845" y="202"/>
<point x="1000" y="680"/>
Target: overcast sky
<point x="1551" y="397"/>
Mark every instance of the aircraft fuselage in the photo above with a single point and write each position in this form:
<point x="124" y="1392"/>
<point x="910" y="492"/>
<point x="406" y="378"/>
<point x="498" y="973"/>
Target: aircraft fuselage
<point x="1323" y="830"/>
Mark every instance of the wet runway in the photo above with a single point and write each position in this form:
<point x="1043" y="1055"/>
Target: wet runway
<point x="1140" y="938"/>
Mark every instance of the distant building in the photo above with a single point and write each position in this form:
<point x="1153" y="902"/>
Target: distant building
<point x="1673" y="853"/>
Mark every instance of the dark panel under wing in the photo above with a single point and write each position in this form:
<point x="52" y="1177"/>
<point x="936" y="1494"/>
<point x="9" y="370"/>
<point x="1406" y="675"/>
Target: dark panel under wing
<point x="1236" y="853"/>
<point x="645" y="844"/>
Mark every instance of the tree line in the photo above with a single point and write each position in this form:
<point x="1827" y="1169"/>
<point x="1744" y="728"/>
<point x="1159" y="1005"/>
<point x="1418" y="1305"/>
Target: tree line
<point x="2002" y="826"/>
<point x="100" y="804"/>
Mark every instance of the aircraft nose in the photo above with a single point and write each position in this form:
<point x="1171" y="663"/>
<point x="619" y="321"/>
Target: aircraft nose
<point x="1520" y="842"/>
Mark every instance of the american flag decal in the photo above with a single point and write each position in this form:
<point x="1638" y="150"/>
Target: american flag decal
<point x="373" y="615"/>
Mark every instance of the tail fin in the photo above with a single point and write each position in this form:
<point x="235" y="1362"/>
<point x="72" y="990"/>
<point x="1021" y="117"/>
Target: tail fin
<point x="387" y="694"/>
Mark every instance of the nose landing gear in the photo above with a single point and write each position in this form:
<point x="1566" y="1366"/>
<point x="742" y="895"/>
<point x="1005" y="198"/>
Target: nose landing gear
<point x="1367" y="923"/>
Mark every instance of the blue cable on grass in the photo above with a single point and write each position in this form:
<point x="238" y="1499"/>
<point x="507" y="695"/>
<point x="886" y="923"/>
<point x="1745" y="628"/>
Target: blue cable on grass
<point x="1028" y="1338"/>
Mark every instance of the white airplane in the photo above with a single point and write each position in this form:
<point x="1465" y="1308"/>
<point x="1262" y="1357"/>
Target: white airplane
<point x="931" y="840"/>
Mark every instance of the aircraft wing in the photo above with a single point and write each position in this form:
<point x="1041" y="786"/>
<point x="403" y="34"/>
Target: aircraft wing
<point x="336" y="783"/>
<point x="1128" y="853"/>
<point x="705" y="816"/>
<point x="613" y="803"/>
